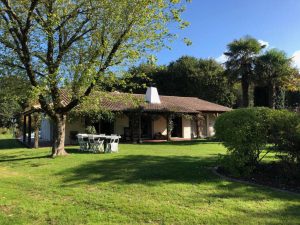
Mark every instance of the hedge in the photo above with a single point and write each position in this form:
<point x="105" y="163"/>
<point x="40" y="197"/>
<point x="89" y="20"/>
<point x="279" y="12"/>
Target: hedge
<point x="248" y="132"/>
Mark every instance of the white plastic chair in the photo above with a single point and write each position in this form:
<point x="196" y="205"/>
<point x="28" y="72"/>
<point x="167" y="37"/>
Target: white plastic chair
<point x="96" y="145"/>
<point x="83" y="145"/>
<point x="92" y="143"/>
<point x="113" y="145"/>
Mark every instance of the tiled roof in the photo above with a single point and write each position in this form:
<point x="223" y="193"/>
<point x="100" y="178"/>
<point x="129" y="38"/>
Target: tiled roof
<point x="168" y="104"/>
<point x="116" y="101"/>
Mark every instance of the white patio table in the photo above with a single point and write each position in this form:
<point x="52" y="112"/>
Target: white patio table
<point x="101" y="136"/>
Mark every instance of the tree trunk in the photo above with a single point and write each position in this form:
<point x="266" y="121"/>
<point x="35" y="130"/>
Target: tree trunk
<point x="280" y="98"/>
<point x="58" y="148"/>
<point x="36" y="137"/>
<point x="36" y="118"/>
<point x="272" y="96"/>
<point x="245" y="90"/>
<point x="169" y="127"/>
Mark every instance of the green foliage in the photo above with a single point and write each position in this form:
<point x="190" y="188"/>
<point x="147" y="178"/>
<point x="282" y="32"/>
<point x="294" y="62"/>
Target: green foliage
<point x="241" y="55"/>
<point x="73" y="44"/>
<point x="245" y="133"/>
<point x="240" y="63"/>
<point x="274" y="69"/>
<point x="138" y="78"/>
<point x="292" y="99"/>
<point x="90" y="130"/>
<point x="187" y="76"/>
<point x="77" y="42"/>
<point x="285" y="134"/>
<point x="14" y="96"/>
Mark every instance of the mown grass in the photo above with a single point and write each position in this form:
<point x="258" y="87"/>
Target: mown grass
<point x="168" y="183"/>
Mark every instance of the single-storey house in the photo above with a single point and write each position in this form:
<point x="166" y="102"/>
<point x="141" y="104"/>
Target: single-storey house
<point x="153" y="117"/>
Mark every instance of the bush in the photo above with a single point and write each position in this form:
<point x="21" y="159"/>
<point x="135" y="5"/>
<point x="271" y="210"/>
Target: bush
<point x="90" y="130"/>
<point x="285" y="134"/>
<point x="245" y="133"/>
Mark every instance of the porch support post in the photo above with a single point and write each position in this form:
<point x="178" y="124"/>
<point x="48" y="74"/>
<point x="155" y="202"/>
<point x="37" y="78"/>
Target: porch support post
<point x="199" y="118"/>
<point x="207" y="125"/>
<point x="29" y="131"/>
<point x="169" y="121"/>
<point x="24" y="129"/>
<point x="197" y="125"/>
<point x="135" y="126"/>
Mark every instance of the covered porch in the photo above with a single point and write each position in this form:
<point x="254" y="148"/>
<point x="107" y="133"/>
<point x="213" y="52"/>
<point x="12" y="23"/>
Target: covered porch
<point x="145" y="126"/>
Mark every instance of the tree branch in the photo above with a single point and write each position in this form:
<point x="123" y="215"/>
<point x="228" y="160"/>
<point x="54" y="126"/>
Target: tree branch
<point x="114" y="49"/>
<point x="29" y="15"/>
<point x="7" y="63"/>
<point x="75" y="37"/>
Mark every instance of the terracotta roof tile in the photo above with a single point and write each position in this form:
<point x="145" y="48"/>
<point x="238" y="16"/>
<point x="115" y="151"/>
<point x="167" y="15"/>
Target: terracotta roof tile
<point x="168" y="104"/>
<point x="115" y="101"/>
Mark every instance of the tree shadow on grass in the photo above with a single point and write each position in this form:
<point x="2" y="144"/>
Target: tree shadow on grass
<point x="17" y="158"/>
<point x="11" y="143"/>
<point x="142" y="169"/>
<point x="180" y="143"/>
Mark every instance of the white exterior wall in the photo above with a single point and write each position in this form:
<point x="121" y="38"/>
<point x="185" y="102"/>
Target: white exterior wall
<point x="160" y="125"/>
<point x="75" y="125"/>
<point x="45" y="130"/>
<point x="186" y="128"/>
<point x="121" y="122"/>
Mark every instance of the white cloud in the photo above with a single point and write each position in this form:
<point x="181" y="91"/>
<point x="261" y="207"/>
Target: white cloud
<point x="296" y="59"/>
<point x="262" y="42"/>
<point x="222" y="58"/>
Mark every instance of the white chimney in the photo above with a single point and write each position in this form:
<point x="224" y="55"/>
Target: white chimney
<point x="152" y="95"/>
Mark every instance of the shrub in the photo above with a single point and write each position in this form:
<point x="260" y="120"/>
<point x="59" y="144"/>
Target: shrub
<point x="90" y="130"/>
<point x="285" y="134"/>
<point x="245" y="133"/>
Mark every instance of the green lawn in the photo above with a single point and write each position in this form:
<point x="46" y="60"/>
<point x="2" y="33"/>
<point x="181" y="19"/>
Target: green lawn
<point x="143" y="184"/>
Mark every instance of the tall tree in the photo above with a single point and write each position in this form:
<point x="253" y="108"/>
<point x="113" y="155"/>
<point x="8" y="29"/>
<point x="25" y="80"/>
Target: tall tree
<point x="240" y="64"/>
<point x="202" y="78"/>
<point x="187" y="76"/>
<point x="274" y="70"/>
<point x="78" y="41"/>
<point x="138" y="78"/>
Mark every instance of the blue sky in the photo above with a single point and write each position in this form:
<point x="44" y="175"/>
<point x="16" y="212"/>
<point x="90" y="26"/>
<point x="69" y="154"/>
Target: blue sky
<point x="215" y="23"/>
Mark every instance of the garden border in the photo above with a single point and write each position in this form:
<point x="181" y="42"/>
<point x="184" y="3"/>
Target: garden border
<point x="215" y="171"/>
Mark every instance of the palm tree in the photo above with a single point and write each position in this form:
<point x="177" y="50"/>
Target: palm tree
<point x="241" y="55"/>
<point x="274" y="70"/>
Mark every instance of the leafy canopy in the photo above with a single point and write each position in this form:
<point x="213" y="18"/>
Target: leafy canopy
<point x="76" y="42"/>
<point x="275" y="68"/>
<point x="241" y="54"/>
